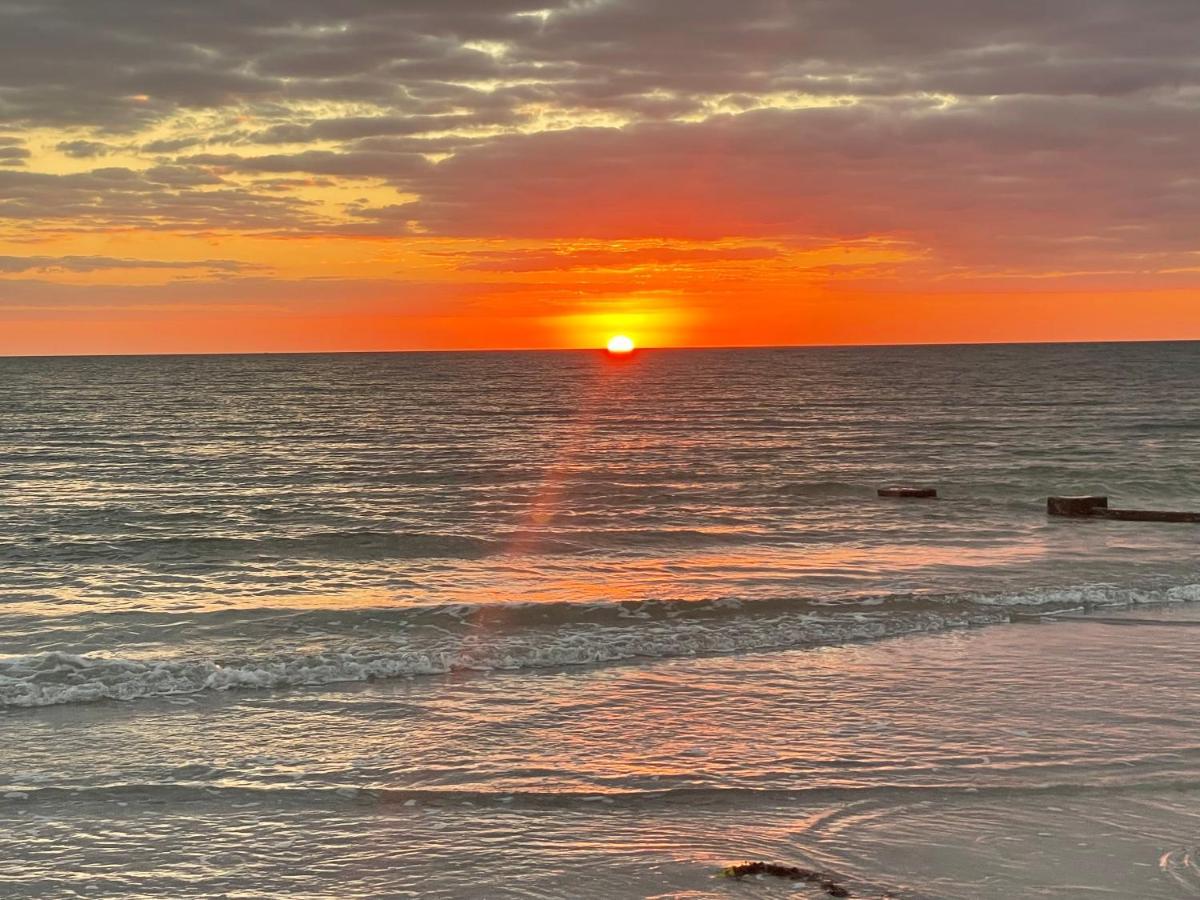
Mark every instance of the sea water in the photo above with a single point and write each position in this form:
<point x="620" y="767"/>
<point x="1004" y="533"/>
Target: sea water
<point x="560" y="624"/>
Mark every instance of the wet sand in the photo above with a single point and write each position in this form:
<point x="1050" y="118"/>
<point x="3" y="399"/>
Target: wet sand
<point x="1030" y="760"/>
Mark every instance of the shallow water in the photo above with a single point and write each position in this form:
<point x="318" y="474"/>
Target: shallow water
<point x="632" y="611"/>
<point x="1056" y="760"/>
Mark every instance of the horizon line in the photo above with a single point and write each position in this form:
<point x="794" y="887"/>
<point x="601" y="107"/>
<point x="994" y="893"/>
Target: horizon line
<point x="600" y="349"/>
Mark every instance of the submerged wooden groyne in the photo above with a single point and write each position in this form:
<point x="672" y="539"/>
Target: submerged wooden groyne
<point x="912" y="492"/>
<point x="1096" y="507"/>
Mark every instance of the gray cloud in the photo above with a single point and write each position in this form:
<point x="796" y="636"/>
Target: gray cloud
<point x="117" y="196"/>
<point x="36" y="298"/>
<point x="353" y="164"/>
<point x="83" y="149"/>
<point x="992" y="133"/>
<point x="13" y="156"/>
<point x="78" y="62"/>
<point x="1056" y="181"/>
<point x="11" y="151"/>
<point x="18" y="264"/>
<point x="549" y="261"/>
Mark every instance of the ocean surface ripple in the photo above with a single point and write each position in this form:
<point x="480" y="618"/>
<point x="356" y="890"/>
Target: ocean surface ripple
<point x="171" y="525"/>
<point x="408" y="624"/>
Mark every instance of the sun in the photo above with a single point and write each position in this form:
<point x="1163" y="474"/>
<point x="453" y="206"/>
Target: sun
<point x="620" y="344"/>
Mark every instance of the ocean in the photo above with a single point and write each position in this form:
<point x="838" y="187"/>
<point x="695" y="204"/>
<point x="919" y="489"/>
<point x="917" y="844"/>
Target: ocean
<point x="557" y="624"/>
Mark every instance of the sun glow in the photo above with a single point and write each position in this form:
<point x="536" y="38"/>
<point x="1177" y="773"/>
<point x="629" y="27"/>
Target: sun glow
<point x="620" y="344"/>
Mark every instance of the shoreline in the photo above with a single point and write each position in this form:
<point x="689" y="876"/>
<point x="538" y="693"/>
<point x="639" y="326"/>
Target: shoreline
<point x="972" y="763"/>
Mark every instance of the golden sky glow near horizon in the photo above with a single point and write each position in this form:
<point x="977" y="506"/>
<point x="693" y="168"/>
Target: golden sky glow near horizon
<point x="461" y="174"/>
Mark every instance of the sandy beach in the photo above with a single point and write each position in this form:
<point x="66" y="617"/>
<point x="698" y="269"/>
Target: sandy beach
<point x="1051" y="760"/>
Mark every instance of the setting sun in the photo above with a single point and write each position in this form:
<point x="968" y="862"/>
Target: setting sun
<point x="619" y="343"/>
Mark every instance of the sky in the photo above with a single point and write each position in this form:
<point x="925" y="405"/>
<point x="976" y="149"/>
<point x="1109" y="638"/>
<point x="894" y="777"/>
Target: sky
<point x="301" y="175"/>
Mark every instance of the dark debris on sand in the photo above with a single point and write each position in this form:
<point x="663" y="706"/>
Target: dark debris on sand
<point x="793" y="873"/>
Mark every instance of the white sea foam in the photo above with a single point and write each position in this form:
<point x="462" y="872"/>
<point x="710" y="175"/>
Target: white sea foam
<point x="572" y="635"/>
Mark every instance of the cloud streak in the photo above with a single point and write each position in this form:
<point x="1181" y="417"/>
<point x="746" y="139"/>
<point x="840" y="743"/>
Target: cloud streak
<point x="19" y="264"/>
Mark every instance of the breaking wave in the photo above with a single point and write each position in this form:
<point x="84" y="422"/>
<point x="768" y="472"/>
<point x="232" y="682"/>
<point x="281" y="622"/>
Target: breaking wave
<point x="324" y="647"/>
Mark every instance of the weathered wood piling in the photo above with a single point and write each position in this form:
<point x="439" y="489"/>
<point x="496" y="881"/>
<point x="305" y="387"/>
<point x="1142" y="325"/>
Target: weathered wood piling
<point x="1096" y="507"/>
<point x="914" y="492"/>
<point x="1075" y="506"/>
<point x="1149" y="515"/>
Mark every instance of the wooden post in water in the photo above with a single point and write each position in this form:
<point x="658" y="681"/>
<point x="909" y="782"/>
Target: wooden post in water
<point x="1075" y="506"/>
<point x="1148" y="515"/>
<point x="920" y="492"/>
<point x="1097" y="508"/>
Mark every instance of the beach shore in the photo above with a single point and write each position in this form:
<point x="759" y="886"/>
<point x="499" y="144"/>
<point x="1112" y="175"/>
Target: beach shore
<point x="1055" y="760"/>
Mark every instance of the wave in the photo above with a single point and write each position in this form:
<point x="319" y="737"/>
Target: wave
<point x="362" y="546"/>
<point x="826" y="489"/>
<point x="846" y="797"/>
<point x="57" y="677"/>
<point x="196" y="549"/>
<point x="365" y="645"/>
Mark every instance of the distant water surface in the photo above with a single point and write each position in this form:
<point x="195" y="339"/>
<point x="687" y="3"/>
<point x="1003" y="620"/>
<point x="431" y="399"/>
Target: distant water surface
<point x="228" y="517"/>
<point x="175" y="527"/>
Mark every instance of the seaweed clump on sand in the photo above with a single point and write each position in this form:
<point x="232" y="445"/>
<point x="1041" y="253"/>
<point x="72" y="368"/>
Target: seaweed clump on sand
<point x="793" y="873"/>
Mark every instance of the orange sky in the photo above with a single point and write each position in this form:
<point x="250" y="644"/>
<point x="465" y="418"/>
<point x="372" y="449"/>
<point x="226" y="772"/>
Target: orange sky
<point x="491" y="175"/>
